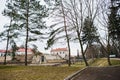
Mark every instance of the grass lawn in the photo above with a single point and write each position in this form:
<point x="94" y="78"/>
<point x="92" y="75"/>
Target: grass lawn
<point x="102" y="62"/>
<point x="47" y="72"/>
<point x="36" y="72"/>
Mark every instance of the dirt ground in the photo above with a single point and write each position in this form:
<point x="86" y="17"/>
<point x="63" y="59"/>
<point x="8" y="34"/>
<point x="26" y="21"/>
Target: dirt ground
<point x="99" y="73"/>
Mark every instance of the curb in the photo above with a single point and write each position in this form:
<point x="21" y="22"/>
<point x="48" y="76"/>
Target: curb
<point x="71" y="77"/>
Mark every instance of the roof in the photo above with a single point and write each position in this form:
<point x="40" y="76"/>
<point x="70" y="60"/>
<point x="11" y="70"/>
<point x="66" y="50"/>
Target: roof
<point x="59" y="49"/>
<point x="19" y="50"/>
<point x="23" y="50"/>
<point x="3" y="51"/>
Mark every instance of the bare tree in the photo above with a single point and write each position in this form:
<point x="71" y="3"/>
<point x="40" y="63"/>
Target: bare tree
<point x="67" y="37"/>
<point x="59" y="12"/>
<point x="75" y="18"/>
<point x="78" y="10"/>
<point x="104" y="22"/>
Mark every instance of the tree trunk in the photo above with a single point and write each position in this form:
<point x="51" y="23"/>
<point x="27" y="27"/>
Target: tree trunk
<point x="108" y="49"/>
<point x="107" y="53"/>
<point x="83" y="55"/>
<point x="79" y="32"/>
<point x="65" y="28"/>
<point x="26" y="43"/>
<point x="6" y="48"/>
<point x="8" y="38"/>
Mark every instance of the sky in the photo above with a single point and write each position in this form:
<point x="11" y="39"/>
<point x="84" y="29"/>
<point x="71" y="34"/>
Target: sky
<point x="41" y="45"/>
<point x="3" y="21"/>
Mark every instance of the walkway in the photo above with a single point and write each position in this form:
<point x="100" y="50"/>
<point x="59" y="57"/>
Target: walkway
<point x="98" y="73"/>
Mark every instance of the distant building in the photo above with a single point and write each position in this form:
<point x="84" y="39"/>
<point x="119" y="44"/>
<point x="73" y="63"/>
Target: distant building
<point x="19" y="55"/>
<point x="45" y="58"/>
<point x="62" y="52"/>
<point x="21" y="51"/>
<point x="2" y="52"/>
<point x="8" y="56"/>
<point x="93" y="51"/>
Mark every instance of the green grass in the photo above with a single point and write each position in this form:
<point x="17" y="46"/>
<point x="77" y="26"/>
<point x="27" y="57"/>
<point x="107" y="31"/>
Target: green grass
<point x="102" y="62"/>
<point x="47" y="72"/>
<point x="35" y="72"/>
<point x="115" y="62"/>
<point x="98" y="62"/>
<point x="77" y="64"/>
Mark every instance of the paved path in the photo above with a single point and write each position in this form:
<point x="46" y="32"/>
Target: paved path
<point x="98" y="73"/>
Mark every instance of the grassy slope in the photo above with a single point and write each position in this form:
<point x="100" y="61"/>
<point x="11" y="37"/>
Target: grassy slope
<point x="46" y="73"/>
<point x="101" y="62"/>
<point x="35" y="72"/>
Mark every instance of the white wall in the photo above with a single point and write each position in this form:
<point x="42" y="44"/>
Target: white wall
<point x="2" y="54"/>
<point x="22" y="53"/>
<point x="61" y="53"/>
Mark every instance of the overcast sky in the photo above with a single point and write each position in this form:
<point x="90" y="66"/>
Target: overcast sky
<point x="41" y="45"/>
<point x="5" y="20"/>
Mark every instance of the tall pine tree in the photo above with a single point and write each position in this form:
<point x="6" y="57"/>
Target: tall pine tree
<point x="114" y="25"/>
<point x="29" y="16"/>
<point x="89" y="32"/>
<point x="8" y="33"/>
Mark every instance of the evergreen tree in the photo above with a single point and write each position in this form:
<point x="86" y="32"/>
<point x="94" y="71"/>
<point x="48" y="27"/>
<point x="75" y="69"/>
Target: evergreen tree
<point x="114" y="22"/>
<point x="89" y="32"/>
<point x="8" y="33"/>
<point x="29" y="16"/>
<point x="14" y="48"/>
<point x="114" y="25"/>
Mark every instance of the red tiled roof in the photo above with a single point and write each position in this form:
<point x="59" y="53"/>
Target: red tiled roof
<point x="3" y="51"/>
<point x="19" y="50"/>
<point x="23" y="50"/>
<point x="59" y="49"/>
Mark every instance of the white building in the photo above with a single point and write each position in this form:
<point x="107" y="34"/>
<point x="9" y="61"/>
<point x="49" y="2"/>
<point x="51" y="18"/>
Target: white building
<point x="21" y="51"/>
<point x="8" y="56"/>
<point x="45" y="58"/>
<point x="2" y="53"/>
<point x="62" y="52"/>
